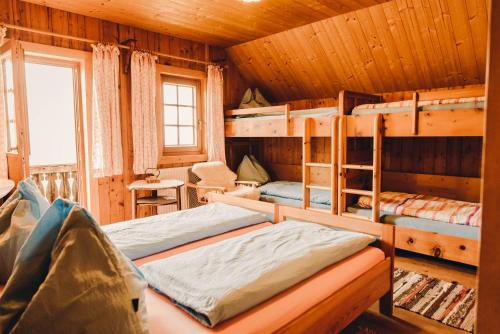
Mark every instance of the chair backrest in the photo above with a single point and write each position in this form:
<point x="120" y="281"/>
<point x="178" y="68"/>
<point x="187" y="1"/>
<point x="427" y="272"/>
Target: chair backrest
<point x="191" y="192"/>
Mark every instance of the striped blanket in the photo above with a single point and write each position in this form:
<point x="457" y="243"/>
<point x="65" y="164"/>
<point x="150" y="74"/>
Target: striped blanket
<point x="428" y="207"/>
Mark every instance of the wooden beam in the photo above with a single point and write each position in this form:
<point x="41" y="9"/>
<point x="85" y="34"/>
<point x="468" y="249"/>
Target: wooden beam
<point x="377" y="167"/>
<point x="488" y="306"/>
<point x="414" y="110"/>
<point x="306" y="157"/>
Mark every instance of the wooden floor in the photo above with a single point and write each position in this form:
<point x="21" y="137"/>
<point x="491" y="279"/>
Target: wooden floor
<point x="372" y="322"/>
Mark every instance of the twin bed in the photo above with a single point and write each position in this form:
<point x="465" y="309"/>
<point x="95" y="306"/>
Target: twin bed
<point x="323" y="292"/>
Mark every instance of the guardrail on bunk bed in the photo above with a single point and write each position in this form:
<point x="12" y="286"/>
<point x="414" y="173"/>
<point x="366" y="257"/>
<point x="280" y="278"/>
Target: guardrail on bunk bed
<point x="283" y="109"/>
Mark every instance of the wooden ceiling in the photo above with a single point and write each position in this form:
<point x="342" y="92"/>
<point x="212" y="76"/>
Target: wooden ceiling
<point x="217" y="22"/>
<point x="394" y="46"/>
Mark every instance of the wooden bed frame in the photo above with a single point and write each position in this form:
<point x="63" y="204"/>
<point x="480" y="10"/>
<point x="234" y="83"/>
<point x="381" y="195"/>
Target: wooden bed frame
<point x="430" y="243"/>
<point x="439" y="123"/>
<point x="282" y="127"/>
<point x="341" y="308"/>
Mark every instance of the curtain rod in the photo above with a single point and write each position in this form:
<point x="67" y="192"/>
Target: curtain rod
<point x="90" y="41"/>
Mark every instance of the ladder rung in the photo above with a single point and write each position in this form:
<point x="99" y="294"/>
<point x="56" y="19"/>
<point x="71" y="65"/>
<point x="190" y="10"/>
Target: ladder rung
<point x="362" y="167"/>
<point x="352" y="215"/>
<point x="358" y="192"/>
<point x="318" y="164"/>
<point x="311" y="186"/>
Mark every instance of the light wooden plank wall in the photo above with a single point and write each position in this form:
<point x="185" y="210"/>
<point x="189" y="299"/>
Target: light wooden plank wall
<point x="114" y="198"/>
<point x="454" y="156"/>
<point x="394" y="46"/>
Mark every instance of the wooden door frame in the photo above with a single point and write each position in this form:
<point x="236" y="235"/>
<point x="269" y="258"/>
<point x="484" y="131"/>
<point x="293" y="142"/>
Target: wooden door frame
<point x="488" y="303"/>
<point x="20" y="156"/>
<point x="83" y="103"/>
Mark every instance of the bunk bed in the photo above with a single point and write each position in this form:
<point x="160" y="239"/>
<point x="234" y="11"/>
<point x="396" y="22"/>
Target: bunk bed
<point x="447" y="113"/>
<point x="282" y="121"/>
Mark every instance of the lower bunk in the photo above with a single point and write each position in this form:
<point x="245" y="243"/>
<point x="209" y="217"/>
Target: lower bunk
<point x="433" y="237"/>
<point x="454" y="242"/>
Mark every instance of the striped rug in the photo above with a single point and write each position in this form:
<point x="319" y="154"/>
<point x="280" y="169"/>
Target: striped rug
<point x="450" y="303"/>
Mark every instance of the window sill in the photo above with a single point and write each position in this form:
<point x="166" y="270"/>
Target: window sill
<point x="184" y="158"/>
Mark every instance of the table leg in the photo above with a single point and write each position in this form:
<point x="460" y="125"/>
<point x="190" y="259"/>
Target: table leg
<point x="178" y="197"/>
<point x="134" y="203"/>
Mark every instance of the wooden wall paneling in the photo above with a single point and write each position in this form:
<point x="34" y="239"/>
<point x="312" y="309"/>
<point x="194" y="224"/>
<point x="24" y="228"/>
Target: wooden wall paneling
<point x="454" y="187"/>
<point x="488" y="303"/>
<point x="393" y="46"/>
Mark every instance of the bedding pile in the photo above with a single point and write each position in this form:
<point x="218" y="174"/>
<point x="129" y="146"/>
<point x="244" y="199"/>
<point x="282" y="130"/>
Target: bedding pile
<point x="146" y="236"/>
<point x="69" y="278"/>
<point x="216" y="282"/>
<point x="428" y="207"/>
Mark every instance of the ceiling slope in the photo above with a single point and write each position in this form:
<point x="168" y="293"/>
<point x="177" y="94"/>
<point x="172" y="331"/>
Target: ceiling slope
<point x="394" y="46"/>
<point x="217" y="22"/>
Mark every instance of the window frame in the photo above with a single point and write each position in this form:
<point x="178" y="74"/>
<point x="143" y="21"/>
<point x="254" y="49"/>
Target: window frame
<point x="187" y="153"/>
<point x="5" y="92"/>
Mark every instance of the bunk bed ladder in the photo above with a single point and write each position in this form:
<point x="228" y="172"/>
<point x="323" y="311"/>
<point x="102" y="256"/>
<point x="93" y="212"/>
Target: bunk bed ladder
<point x="375" y="168"/>
<point x="307" y="164"/>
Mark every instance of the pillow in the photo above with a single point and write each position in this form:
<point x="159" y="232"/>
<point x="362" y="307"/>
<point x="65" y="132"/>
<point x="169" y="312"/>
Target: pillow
<point x="214" y="173"/>
<point x="251" y="170"/>
<point x="68" y="266"/>
<point x="18" y="217"/>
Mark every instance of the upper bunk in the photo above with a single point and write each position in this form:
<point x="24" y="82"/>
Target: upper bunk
<point x="278" y="121"/>
<point x="442" y="113"/>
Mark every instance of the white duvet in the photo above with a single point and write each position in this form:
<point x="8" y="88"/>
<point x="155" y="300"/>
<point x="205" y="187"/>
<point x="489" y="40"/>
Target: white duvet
<point x="145" y="236"/>
<point x="221" y="280"/>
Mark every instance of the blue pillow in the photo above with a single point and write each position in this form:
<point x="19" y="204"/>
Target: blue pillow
<point x="68" y="266"/>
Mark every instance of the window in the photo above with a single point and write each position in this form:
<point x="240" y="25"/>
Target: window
<point x="51" y="102"/>
<point x="182" y="118"/>
<point x="9" y="106"/>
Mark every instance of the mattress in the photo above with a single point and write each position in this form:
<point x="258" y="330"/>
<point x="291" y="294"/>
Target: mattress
<point x="230" y="277"/>
<point x="290" y="202"/>
<point x="165" y="317"/>
<point x="145" y="236"/>
<point x="293" y="190"/>
<point x="430" y="107"/>
<point x="303" y="113"/>
<point x="455" y="230"/>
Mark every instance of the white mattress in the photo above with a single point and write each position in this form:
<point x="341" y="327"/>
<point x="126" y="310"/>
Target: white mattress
<point x="145" y="236"/>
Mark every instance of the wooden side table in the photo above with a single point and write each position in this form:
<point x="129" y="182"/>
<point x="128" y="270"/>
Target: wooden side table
<point x="154" y="199"/>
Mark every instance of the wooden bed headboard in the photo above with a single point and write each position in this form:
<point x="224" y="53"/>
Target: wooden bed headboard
<point x="453" y="187"/>
<point x="348" y="100"/>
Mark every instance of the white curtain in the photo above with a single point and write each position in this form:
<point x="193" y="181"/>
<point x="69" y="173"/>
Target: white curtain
<point x="215" y="114"/>
<point x="3" y="126"/>
<point x="107" y="157"/>
<point x="145" y="136"/>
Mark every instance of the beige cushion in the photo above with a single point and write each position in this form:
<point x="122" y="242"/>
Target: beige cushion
<point x="214" y="174"/>
<point x="251" y="170"/>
